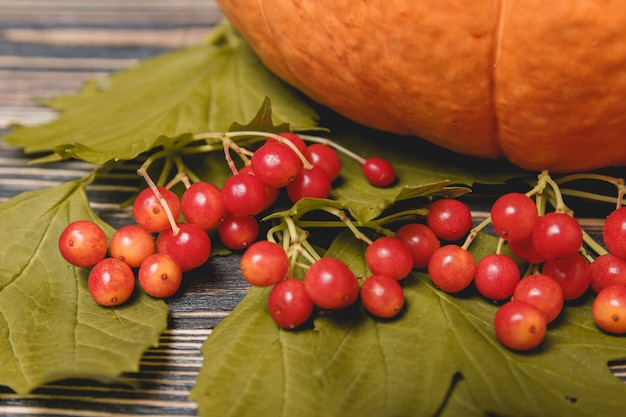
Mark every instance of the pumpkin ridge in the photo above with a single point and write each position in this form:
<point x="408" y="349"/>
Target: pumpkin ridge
<point x="497" y="34"/>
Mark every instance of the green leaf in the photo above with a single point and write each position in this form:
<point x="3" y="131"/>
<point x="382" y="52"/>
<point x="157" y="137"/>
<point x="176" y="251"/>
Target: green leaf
<point x="50" y="327"/>
<point x="440" y="357"/>
<point x="197" y="89"/>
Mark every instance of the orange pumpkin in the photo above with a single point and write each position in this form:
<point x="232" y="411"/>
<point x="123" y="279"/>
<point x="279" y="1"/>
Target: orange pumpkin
<point x="542" y="83"/>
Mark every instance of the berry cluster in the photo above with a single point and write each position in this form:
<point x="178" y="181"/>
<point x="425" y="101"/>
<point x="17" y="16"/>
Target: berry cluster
<point x="171" y="237"/>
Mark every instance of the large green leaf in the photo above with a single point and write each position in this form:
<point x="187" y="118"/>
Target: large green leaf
<point x="50" y="327"/>
<point x="197" y="89"/>
<point x="440" y="357"/>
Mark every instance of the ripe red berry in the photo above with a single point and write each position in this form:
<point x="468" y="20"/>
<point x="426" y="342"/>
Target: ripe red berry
<point x="525" y="249"/>
<point x="160" y="276"/>
<point x="238" y="232"/>
<point x="275" y="164"/>
<point x="451" y="268"/>
<point x="421" y="240"/>
<point x="389" y="256"/>
<point x="572" y="272"/>
<point x="450" y="219"/>
<point x="496" y="276"/>
<point x="293" y="138"/>
<point x="513" y="216"/>
<point x="150" y="214"/>
<point x="325" y="157"/>
<point x="111" y="282"/>
<point x="379" y="172"/>
<point x="264" y="263"/>
<point x="132" y="244"/>
<point x="83" y="243"/>
<point x="543" y="292"/>
<point x="289" y="303"/>
<point x="382" y="296"/>
<point x="202" y="205"/>
<point x="607" y="270"/>
<point x="189" y="248"/>
<point x="614" y="232"/>
<point x="244" y="195"/>
<point x="520" y="326"/>
<point x="309" y="183"/>
<point x="557" y="235"/>
<point x="609" y="309"/>
<point x="331" y="284"/>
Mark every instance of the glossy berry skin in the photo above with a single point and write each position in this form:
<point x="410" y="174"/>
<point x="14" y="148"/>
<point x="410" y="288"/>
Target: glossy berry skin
<point x="244" y="195"/>
<point x="275" y="164"/>
<point x="525" y="249"/>
<point x="309" y="183"/>
<point x="451" y="268"/>
<point x="271" y="193"/>
<point x="331" y="284"/>
<point x="513" y="216"/>
<point x="572" y="272"/>
<point x="289" y="303"/>
<point x="238" y="232"/>
<point x="609" y="309"/>
<point x="160" y="276"/>
<point x="131" y="244"/>
<point x="379" y="172"/>
<point x="614" y="232"/>
<point x="111" y="282"/>
<point x="557" y="235"/>
<point x="543" y="292"/>
<point x="520" y="326"/>
<point x="607" y="270"/>
<point x="150" y="214"/>
<point x="382" y="296"/>
<point x="389" y="256"/>
<point x="189" y="248"/>
<point x="294" y="138"/>
<point x="264" y="263"/>
<point x="450" y="219"/>
<point x="83" y="243"/>
<point x="496" y="276"/>
<point x="421" y="240"/>
<point x="325" y="157"/>
<point x="203" y="206"/>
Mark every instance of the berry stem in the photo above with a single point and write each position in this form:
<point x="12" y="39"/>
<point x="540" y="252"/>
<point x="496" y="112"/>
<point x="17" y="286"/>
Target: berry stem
<point x="341" y="215"/>
<point x="175" y="229"/>
<point x="326" y="141"/>
<point x="471" y="236"/>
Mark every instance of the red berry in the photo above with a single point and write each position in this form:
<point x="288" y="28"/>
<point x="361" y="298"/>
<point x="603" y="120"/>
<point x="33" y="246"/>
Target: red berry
<point x="543" y="292"/>
<point x="389" y="256"/>
<point x="203" y="206"/>
<point x="244" y="195"/>
<point x="557" y="235"/>
<point x="309" y="183"/>
<point x="271" y="193"/>
<point x="607" y="270"/>
<point x="160" y="276"/>
<point x="275" y="164"/>
<point x="293" y="138"/>
<point x="150" y="214"/>
<point x="614" y="232"/>
<point x="572" y="272"/>
<point x="379" y="172"/>
<point x="289" y="303"/>
<point x="450" y="219"/>
<point x="111" y="282"/>
<point x="331" y="284"/>
<point x="83" y="243"/>
<point x="189" y="248"/>
<point x="609" y="309"/>
<point x="421" y="240"/>
<point x="131" y="244"/>
<point x="325" y="157"/>
<point x="496" y="276"/>
<point x="382" y="296"/>
<point x="451" y="268"/>
<point x="525" y="249"/>
<point x="513" y="216"/>
<point x="520" y="326"/>
<point x="264" y="263"/>
<point x="238" y="232"/>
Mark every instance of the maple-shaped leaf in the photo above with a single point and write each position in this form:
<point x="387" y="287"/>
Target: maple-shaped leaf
<point x="193" y="90"/>
<point x="50" y="327"/>
<point x="439" y="358"/>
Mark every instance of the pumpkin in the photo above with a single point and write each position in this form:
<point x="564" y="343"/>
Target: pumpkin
<point x="541" y="83"/>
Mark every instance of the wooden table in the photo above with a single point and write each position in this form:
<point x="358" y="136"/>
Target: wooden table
<point x="49" y="48"/>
